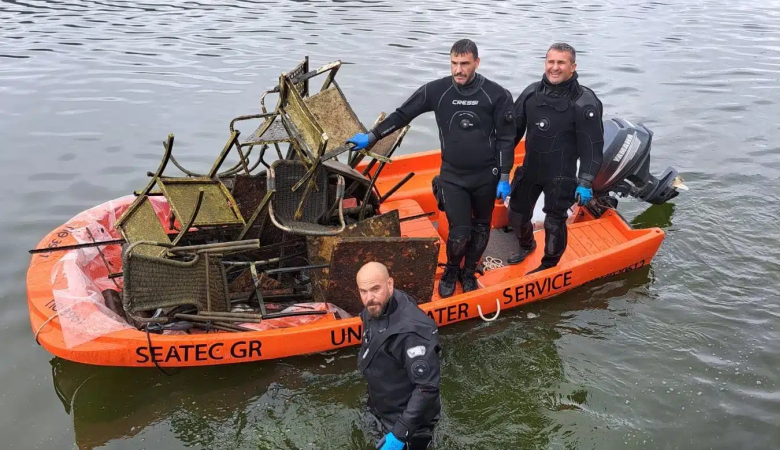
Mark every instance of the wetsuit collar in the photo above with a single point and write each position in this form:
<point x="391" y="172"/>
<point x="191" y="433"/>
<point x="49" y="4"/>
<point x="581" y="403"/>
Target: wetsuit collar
<point x="556" y="96"/>
<point x="390" y="308"/>
<point x="561" y="89"/>
<point x="471" y="86"/>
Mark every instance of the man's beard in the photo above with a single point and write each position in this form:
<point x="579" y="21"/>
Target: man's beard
<point x="374" y="309"/>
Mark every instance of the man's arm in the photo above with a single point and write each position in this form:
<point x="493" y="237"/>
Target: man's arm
<point x="590" y="137"/>
<point x="520" y="117"/>
<point x="419" y="102"/>
<point x="504" y="122"/>
<point x="420" y="357"/>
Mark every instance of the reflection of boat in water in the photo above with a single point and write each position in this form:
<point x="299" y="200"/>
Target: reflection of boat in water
<point x="217" y="408"/>
<point x="238" y="266"/>
<point x="109" y="403"/>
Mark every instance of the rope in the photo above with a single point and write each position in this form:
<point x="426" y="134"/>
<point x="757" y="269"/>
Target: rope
<point x="56" y="314"/>
<point x="151" y="353"/>
<point x="490" y="263"/>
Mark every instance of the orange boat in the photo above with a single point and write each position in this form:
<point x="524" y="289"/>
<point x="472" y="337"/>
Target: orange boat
<point x="601" y="244"/>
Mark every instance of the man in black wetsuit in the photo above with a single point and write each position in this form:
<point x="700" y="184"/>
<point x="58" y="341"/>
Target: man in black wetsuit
<point x="399" y="358"/>
<point x="476" y="124"/>
<point x="563" y="123"/>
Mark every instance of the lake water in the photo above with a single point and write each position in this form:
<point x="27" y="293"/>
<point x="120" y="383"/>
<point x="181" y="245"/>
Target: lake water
<point x="683" y="354"/>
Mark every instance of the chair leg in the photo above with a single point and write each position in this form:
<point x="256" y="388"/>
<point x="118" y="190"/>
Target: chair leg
<point x="223" y="154"/>
<point x="168" y="145"/>
<point x="256" y="281"/>
<point x="256" y="214"/>
<point x="189" y="223"/>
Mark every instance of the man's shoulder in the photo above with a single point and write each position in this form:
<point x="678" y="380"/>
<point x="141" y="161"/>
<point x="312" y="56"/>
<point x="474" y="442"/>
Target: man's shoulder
<point x="530" y="89"/>
<point x="585" y="97"/>
<point x="413" y="311"/>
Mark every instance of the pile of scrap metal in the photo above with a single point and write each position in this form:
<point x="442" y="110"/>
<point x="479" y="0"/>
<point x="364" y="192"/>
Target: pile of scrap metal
<point x="241" y="237"/>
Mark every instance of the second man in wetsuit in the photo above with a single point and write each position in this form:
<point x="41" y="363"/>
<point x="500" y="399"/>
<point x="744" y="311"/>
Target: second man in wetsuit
<point x="475" y="117"/>
<point x="561" y="120"/>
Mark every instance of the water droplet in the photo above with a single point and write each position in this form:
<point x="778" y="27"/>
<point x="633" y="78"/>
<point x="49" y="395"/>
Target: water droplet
<point x="758" y="383"/>
<point x="698" y="393"/>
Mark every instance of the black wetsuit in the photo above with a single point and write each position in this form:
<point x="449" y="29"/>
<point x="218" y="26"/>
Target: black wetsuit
<point x="399" y="358"/>
<point x="563" y="123"/>
<point x="477" y="136"/>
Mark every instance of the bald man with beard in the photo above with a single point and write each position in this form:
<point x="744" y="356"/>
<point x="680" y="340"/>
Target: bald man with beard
<point x="399" y="358"/>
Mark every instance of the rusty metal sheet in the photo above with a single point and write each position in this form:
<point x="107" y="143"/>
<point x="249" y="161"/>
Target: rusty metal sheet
<point x="411" y="262"/>
<point x="320" y="248"/>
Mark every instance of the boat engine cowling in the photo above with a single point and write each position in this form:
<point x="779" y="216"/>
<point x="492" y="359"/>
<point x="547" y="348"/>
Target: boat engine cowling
<point x="625" y="169"/>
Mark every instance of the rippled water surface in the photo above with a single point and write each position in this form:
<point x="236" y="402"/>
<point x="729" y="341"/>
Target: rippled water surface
<point x="683" y="354"/>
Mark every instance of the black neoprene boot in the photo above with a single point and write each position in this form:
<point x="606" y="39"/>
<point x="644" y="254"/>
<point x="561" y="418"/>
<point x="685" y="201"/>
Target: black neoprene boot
<point x="448" y="280"/>
<point x="468" y="280"/>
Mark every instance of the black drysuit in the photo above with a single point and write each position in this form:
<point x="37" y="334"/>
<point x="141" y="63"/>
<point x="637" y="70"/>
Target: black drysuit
<point x="399" y="358"/>
<point x="563" y="123"/>
<point x="477" y="137"/>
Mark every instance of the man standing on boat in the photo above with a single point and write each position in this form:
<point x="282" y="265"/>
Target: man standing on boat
<point x="475" y="117"/>
<point x="562" y="120"/>
<point x="399" y="358"/>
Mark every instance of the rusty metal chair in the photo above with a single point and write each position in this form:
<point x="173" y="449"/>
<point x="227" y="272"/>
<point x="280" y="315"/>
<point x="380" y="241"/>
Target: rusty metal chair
<point x="302" y="211"/>
<point x="271" y="131"/>
<point x="155" y="282"/>
<point x="199" y="201"/>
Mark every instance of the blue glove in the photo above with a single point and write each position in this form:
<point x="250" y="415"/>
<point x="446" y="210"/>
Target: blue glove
<point x="585" y="194"/>
<point x="391" y="443"/>
<point x="503" y="190"/>
<point x="361" y="140"/>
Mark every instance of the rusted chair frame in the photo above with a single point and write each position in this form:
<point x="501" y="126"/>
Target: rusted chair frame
<point x="271" y="187"/>
<point x="207" y="251"/>
<point x="378" y="171"/>
<point x="143" y="197"/>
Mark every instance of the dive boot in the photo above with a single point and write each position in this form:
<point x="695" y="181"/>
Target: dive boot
<point x="468" y="280"/>
<point x="448" y="280"/>
<point x="541" y="267"/>
<point x="517" y="258"/>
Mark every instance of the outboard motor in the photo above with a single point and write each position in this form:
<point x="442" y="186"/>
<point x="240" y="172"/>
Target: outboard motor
<point x="626" y="168"/>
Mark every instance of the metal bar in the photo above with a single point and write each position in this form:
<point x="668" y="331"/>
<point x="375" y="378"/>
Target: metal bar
<point x="168" y="145"/>
<point x="263" y="262"/>
<point x="295" y="313"/>
<point x="190" y="222"/>
<point x="203" y="318"/>
<point x="77" y="246"/>
<point x="257" y="212"/>
<point x="392" y="190"/>
<point x="295" y="269"/>
<point x="223" y="155"/>
<point x="369" y="166"/>
<point x="208" y="284"/>
<point x="243" y="160"/>
<point x="256" y="281"/>
<point x="103" y="257"/>
<point x="234" y="315"/>
<point x="218" y="246"/>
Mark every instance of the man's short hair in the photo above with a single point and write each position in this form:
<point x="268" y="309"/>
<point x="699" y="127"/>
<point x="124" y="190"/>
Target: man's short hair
<point x="564" y="47"/>
<point x="464" y="47"/>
